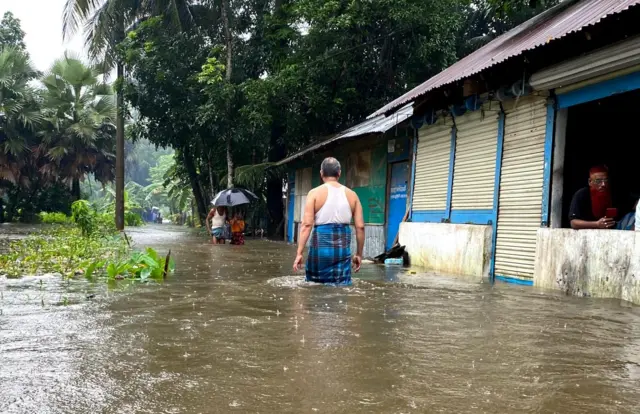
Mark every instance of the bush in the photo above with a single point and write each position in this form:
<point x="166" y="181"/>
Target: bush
<point x="105" y="223"/>
<point x="132" y="219"/>
<point x="89" y="221"/>
<point x="54" y="218"/>
<point x="84" y="216"/>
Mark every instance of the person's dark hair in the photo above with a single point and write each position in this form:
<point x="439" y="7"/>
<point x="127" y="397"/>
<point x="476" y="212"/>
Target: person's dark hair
<point x="330" y="167"/>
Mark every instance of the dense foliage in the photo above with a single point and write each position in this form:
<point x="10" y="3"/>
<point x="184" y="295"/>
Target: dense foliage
<point x="56" y="128"/>
<point x="232" y="86"/>
<point x="243" y="83"/>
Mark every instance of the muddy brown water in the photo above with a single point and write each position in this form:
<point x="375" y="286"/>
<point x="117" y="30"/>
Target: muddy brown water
<point x="233" y="331"/>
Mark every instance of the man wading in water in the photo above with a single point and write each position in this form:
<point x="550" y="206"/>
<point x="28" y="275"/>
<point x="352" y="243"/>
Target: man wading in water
<point x="328" y="211"/>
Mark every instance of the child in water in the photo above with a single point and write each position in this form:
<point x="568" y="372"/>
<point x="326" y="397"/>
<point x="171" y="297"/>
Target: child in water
<point x="237" y="229"/>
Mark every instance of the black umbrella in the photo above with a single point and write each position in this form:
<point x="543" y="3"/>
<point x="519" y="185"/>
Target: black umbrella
<point x="233" y="197"/>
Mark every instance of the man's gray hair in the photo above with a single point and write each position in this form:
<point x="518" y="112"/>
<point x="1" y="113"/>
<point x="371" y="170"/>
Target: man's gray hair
<point x="330" y="167"/>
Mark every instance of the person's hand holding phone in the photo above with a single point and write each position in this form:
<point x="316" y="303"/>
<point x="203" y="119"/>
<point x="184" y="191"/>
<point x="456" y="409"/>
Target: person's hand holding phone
<point x="606" y="223"/>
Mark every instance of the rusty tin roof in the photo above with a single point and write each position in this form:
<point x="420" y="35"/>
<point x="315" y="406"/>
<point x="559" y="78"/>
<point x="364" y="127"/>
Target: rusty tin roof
<point x="565" y="18"/>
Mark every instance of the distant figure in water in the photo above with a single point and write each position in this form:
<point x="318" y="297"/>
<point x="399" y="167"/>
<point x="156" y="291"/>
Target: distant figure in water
<point x="237" y="229"/>
<point x="328" y="212"/>
<point x="216" y="219"/>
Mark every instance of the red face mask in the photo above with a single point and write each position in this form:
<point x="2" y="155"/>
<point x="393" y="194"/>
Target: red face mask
<point x="600" y="202"/>
<point x="600" y="193"/>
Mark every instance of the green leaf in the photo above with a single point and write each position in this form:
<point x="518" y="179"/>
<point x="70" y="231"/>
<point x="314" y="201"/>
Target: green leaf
<point x="88" y="273"/>
<point x="112" y="270"/>
<point x="153" y="254"/>
<point x="145" y="273"/>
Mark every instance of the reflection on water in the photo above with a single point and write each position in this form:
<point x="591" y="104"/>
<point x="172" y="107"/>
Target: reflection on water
<point x="234" y="331"/>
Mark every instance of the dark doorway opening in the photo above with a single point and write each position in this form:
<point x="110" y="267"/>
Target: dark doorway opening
<point x="604" y="132"/>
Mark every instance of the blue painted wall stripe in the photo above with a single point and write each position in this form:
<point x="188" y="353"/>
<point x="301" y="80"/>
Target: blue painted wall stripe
<point x="291" y="225"/>
<point x="471" y="216"/>
<point x="452" y="161"/>
<point x="428" y="216"/>
<point x="514" y="281"/>
<point x="414" y="158"/>
<point x="496" y="195"/>
<point x="600" y="90"/>
<point x="455" y="217"/>
<point x="548" y="161"/>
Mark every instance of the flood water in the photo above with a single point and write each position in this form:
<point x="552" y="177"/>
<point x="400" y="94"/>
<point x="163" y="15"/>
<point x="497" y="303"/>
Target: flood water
<point x="233" y="331"/>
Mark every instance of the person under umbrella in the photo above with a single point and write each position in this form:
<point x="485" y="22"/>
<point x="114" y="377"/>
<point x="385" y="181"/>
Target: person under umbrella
<point x="215" y="222"/>
<point x="227" y="198"/>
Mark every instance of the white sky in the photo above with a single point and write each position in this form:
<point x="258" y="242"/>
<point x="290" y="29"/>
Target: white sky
<point x="41" y="20"/>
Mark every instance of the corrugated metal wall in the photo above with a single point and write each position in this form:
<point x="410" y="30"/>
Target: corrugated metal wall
<point x="475" y="161"/>
<point x="432" y="167"/>
<point x="520" y="202"/>
<point x="303" y="186"/>
<point x="374" y="241"/>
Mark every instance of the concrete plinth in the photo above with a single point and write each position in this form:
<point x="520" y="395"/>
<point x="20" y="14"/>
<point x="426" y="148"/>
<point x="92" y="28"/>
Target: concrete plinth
<point x="593" y="263"/>
<point x="460" y="249"/>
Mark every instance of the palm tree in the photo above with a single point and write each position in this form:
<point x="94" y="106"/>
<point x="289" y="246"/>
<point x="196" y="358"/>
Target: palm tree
<point x="105" y="24"/>
<point x="19" y="116"/>
<point x="80" y="112"/>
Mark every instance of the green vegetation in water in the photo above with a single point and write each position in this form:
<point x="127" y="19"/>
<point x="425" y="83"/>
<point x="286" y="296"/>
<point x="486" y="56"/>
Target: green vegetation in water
<point x="140" y="265"/>
<point x="59" y="249"/>
<point x="92" y="247"/>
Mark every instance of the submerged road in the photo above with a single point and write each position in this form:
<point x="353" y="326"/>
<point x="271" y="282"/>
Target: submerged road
<point x="234" y="331"/>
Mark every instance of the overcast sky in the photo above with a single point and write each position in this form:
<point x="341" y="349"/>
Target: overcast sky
<point x="41" y="20"/>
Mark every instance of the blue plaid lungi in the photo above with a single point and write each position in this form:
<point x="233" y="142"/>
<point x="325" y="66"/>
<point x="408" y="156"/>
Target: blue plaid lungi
<point x="329" y="258"/>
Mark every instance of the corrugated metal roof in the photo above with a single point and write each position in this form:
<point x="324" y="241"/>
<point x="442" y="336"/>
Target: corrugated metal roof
<point x="565" y="18"/>
<point x="378" y="124"/>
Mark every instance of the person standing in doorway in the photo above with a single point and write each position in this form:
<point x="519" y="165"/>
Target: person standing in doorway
<point x="589" y="205"/>
<point x="327" y="218"/>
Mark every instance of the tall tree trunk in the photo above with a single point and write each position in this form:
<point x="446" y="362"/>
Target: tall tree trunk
<point x="227" y="33"/>
<point x="213" y="190"/>
<point x="208" y="153"/>
<point x="195" y="184"/>
<point x="229" y="163"/>
<point x="75" y="189"/>
<point x="120" y="152"/>
<point x="275" y="207"/>
<point x="229" y="68"/>
<point x="1" y="210"/>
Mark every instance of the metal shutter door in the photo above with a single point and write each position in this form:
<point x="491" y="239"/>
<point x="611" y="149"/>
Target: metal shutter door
<point x="475" y="161"/>
<point x="432" y="167"/>
<point x="302" y="188"/>
<point x="520" y="203"/>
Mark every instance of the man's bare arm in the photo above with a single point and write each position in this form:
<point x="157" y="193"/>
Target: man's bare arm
<point x="358" y="221"/>
<point x="308" y="220"/>
<point x="206" y="221"/>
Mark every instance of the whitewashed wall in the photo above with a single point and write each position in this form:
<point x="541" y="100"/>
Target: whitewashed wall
<point x="594" y="263"/>
<point x="457" y="249"/>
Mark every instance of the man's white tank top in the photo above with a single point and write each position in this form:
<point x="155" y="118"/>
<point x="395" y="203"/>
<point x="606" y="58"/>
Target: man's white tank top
<point x="336" y="210"/>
